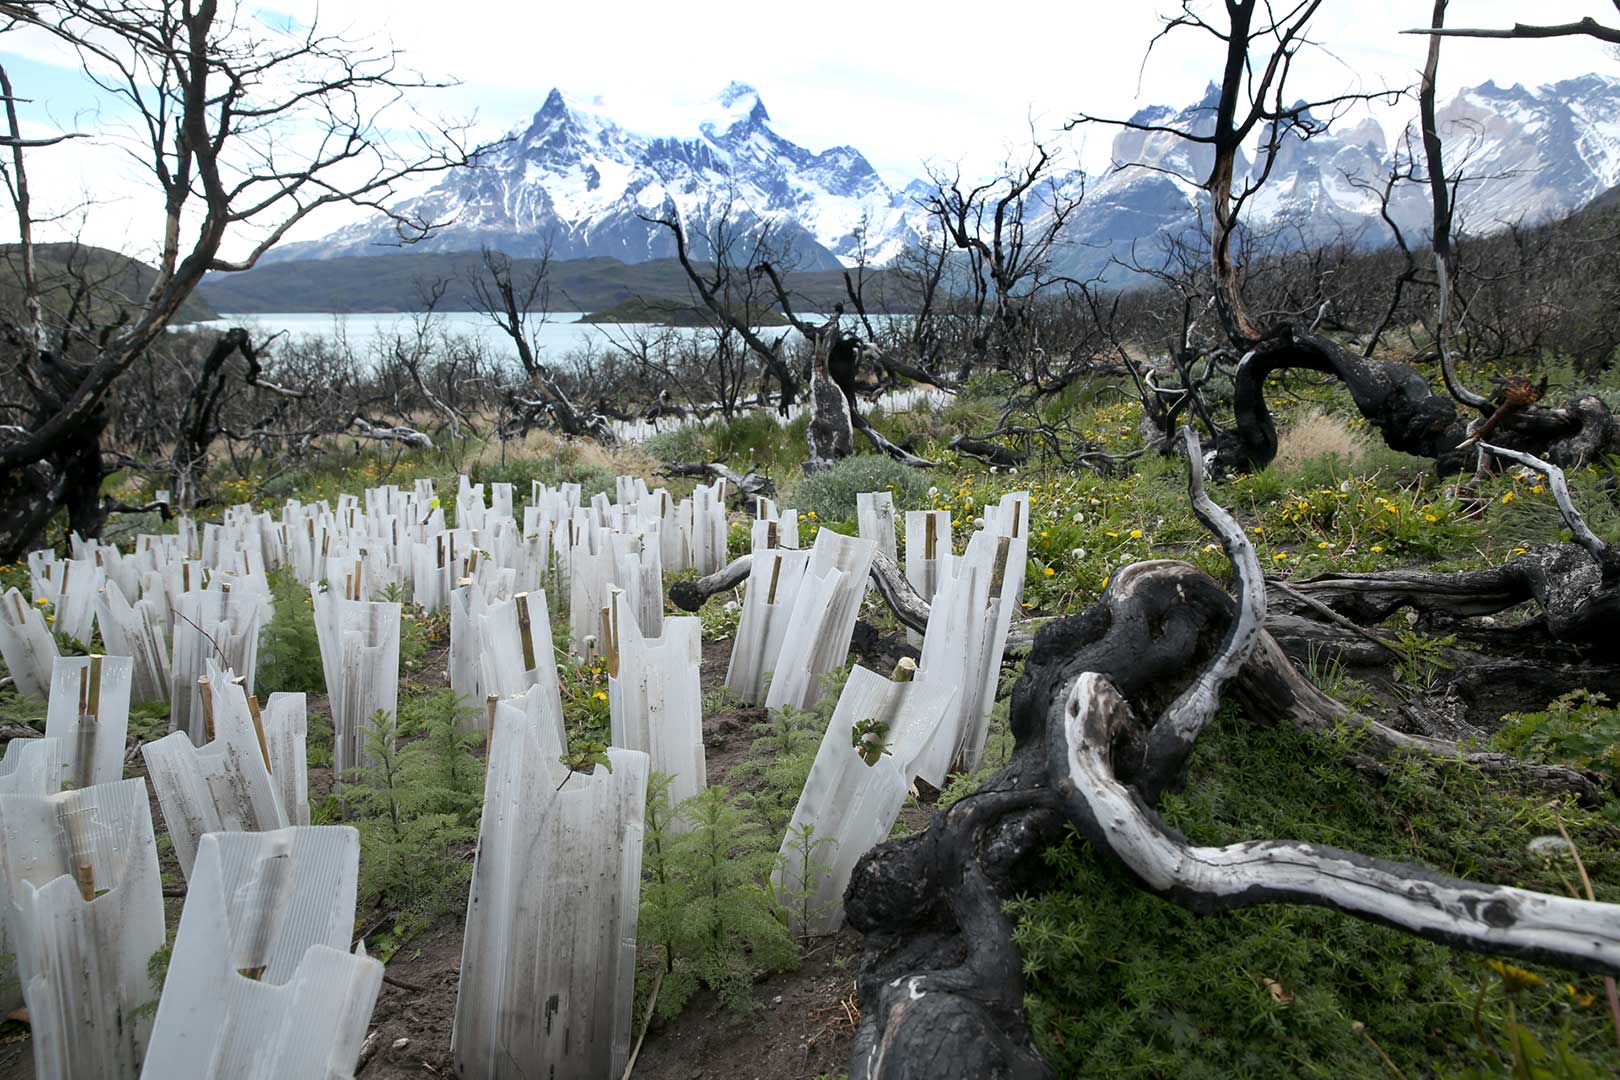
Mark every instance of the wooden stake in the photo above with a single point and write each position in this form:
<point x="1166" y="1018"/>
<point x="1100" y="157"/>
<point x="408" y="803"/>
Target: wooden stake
<point x="998" y="572"/>
<point x="776" y="573"/>
<point x="905" y="670"/>
<point x="79" y="849"/>
<point x="930" y="535"/>
<point x="770" y="534"/>
<point x="356" y="584"/>
<point x="525" y="631"/>
<point x="258" y="726"/>
<point x="207" y="706"/>
<point x="489" y="722"/>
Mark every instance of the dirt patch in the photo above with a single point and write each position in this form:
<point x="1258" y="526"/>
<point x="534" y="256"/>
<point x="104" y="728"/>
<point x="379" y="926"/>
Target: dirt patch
<point x="802" y="1026"/>
<point x="417" y="1006"/>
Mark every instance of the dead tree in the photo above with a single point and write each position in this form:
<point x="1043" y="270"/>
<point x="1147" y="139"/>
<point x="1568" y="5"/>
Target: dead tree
<point x="1008" y="228"/>
<point x="214" y="94"/>
<point x="1587" y="27"/>
<point x="517" y="305"/>
<point x="837" y="360"/>
<point x="728" y="299"/>
<point x="1259" y="47"/>
<point x="1108" y="709"/>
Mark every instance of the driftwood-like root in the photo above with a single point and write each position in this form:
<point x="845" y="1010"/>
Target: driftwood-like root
<point x="1110" y="702"/>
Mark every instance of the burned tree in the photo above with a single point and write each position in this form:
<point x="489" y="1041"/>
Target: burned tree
<point x="727" y="291"/>
<point x="1259" y="47"/>
<point x="516" y="304"/>
<point x="1108" y="709"/>
<point x="213" y="89"/>
<point x="1008" y="229"/>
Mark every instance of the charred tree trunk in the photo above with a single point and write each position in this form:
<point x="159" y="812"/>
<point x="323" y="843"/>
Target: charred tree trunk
<point x="1110" y="704"/>
<point x="1399" y="402"/>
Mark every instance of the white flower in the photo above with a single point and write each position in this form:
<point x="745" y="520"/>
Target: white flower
<point x="1078" y="517"/>
<point x="731" y="605"/>
<point x="933" y="492"/>
<point x="1078" y="553"/>
<point x="1344" y="485"/>
<point x="978" y="523"/>
<point x="1013" y="471"/>
<point x="994" y="469"/>
<point x="1549" y="847"/>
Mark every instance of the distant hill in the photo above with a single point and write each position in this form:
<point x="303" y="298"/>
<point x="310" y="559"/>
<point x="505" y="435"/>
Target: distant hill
<point x="397" y="282"/>
<point x="115" y="281"/>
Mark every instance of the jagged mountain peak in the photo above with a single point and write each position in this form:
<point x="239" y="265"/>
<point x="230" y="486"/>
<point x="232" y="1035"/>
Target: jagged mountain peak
<point x="577" y="179"/>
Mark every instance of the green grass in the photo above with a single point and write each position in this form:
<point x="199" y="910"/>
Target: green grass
<point x="1122" y="984"/>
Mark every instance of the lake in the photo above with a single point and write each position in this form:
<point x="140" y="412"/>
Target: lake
<point x="559" y="336"/>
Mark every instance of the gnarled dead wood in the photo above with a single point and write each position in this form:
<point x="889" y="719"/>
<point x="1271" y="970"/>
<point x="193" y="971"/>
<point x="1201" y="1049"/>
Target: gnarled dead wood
<point x="1104" y="696"/>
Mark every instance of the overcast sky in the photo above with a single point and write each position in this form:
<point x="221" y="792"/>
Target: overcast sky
<point x="903" y="83"/>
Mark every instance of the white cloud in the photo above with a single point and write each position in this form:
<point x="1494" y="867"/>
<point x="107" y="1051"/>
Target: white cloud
<point x="903" y="83"/>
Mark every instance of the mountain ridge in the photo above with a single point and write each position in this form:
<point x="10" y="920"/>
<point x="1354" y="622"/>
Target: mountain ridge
<point x="573" y="178"/>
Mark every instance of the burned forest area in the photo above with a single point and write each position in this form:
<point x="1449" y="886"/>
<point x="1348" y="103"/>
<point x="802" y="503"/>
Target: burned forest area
<point x="959" y="641"/>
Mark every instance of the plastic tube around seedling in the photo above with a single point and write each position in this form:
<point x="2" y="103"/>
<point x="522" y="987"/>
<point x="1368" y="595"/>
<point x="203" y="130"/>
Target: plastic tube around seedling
<point x="30" y="767"/>
<point x="261" y="981"/>
<point x="548" y="960"/>
<point x="86" y="904"/>
<point x="223" y="786"/>
<point x="89" y="712"/>
<point x="850" y="801"/>
<point x="774" y="580"/>
<point x="656" y="698"/>
<point x="26" y="645"/>
<point x="928" y="553"/>
<point x="132" y="630"/>
<point x="874" y="516"/>
<point x="285" y="722"/>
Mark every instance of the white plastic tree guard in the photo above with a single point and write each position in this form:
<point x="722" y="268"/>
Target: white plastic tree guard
<point x="774" y="578"/>
<point x="135" y="631"/>
<point x="211" y="624"/>
<point x="284" y="720"/>
<point x="70" y="585"/>
<point x="655" y="697"/>
<point x="360" y="657"/>
<point x="874" y="514"/>
<point x="781" y="531"/>
<point x="548" y="960"/>
<point x="30" y="767"/>
<point x="467" y="609"/>
<point x="928" y="549"/>
<point x="261" y="981"/>
<point x="81" y="870"/>
<point x="850" y="801"/>
<point x="823" y="620"/>
<point x="89" y="713"/>
<point x="26" y="644"/>
<point x="223" y="786"/>
<point x="967" y="634"/>
<point x="709" y="527"/>
<point x="518" y="658"/>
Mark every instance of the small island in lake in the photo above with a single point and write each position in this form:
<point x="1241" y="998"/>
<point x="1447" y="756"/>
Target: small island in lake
<point x="662" y="312"/>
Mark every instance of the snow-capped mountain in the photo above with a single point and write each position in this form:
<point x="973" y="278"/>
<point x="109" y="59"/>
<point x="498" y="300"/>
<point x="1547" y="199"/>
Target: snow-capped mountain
<point x="1523" y="156"/>
<point x="574" y="178"/>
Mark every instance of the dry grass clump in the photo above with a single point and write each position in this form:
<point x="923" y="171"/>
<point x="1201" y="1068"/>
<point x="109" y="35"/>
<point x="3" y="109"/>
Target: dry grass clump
<point x="1315" y="434"/>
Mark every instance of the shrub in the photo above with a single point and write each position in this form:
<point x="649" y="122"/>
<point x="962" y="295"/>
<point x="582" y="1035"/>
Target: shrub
<point x="289" y="651"/>
<point x="705" y="899"/>
<point x="830" y="493"/>
<point x="1315" y="435"/>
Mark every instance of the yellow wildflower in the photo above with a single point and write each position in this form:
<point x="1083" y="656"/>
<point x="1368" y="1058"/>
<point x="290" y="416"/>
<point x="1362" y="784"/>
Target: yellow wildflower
<point x="1049" y="571"/>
